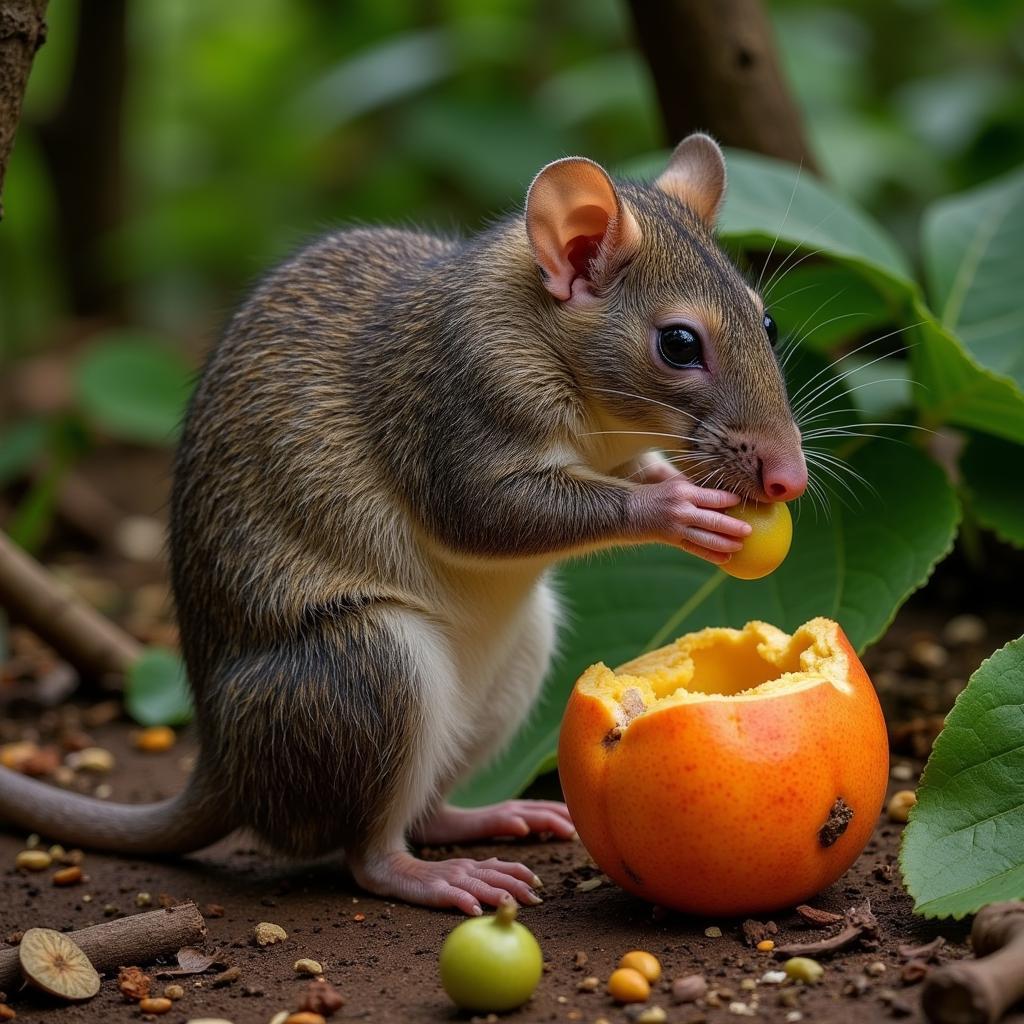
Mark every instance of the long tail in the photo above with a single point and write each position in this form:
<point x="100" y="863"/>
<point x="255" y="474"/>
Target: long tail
<point x="189" y="821"/>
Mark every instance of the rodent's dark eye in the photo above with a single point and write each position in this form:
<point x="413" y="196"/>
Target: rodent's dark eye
<point x="771" y="328"/>
<point x="681" y="347"/>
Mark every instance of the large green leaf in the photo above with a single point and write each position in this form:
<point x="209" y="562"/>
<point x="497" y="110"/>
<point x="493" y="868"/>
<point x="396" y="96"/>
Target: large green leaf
<point x="994" y="489"/>
<point x="134" y="386"/>
<point x="774" y="206"/>
<point x="972" y="244"/>
<point x="857" y="567"/>
<point x="769" y="200"/>
<point x="963" y="846"/>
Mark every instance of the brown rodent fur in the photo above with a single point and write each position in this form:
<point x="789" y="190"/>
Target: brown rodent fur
<point x="395" y="439"/>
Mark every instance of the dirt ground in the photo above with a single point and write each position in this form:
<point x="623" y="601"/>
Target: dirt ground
<point x="383" y="956"/>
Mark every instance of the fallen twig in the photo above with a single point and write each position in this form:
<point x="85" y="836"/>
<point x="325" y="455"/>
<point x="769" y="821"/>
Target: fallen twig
<point x="981" y="991"/>
<point x="860" y="923"/>
<point x="128" y="940"/>
<point x="87" y="639"/>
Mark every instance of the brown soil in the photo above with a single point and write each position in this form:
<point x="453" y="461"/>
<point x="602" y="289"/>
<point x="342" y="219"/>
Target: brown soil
<point x="386" y="962"/>
<point x="383" y="956"/>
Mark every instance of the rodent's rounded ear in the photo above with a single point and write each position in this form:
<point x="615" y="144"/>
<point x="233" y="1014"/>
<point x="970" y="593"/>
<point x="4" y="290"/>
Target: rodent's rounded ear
<point x="696" y="176"/>
<point x="578" y="226"/>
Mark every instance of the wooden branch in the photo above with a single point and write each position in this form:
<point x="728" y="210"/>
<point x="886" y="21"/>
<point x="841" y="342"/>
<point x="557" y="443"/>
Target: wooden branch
<point x="126" y="941"/>
<point x="22" y="32"/>
<point x="716" y="69"/>
<point x="83" y="636"/>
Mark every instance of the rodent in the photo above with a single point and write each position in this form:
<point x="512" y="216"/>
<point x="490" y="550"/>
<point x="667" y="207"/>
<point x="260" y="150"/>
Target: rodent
<point x="396" y="438"/>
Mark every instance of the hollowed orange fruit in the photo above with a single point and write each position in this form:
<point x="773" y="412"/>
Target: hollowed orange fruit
<point x="731" y="772"/>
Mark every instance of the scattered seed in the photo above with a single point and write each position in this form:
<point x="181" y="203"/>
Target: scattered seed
<point x="307" y="966"/>
<point x="143" y="899"/>
<point x="628" y="985"/>
<point x="646" y="963"/>
<point x="156" y="739"/>
<point x="156" y="1004"/>
<point x="228" y="977"/>
<point x="267" y="934"/>
<point x="359" y="918"/>
<point x="748" y="984"/>
<point x="52" y="962"/>
<point x="714" y="932"/>
<point x="92" y="759"/>
<point x="590" y="884"/>
<point x="816" y="916"/>
<point x="68" y="876"/>
<point x="803" y="968"/>
<point x="765" y="946"/>
<point x="899" y="806"/>
<point x="579" y="959"/>
<point x="902" y="772"/>
<point x="174" y="992"/>
<point x="305" y="1017"/>
<point x="773" y="977"/>
<point x="651" y="1015"/>
<point x="279" y="1018"/>
<point x="32" y="841"/>
<point x="793" y="1016"/>
<point x="133" y="983"/>
<point x="742" y="1010"/>
<point x="322" y="997"/>
<point x="689" y="989"/>
<point x="33" y="860"/>
<point x="964" y="629"/>
<point x="6" y="1013"/>
<point x="590" y="984"/>
<point x="57" y="852"/>
<point x="103" y="791"/>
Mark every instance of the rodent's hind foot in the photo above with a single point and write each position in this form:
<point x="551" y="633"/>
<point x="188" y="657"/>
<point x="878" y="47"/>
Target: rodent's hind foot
<point x="461" y="883"/>
<point x="515" y="818"/>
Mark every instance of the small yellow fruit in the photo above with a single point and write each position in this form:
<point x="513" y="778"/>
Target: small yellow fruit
<point x="628" y="985"/>
<point x="766" y="547"/>
<point x="802" y="968"/>
<point x="646" y="963"/>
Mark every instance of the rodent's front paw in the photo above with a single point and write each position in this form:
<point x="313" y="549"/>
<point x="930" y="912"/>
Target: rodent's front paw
<point x="680" y="513"/>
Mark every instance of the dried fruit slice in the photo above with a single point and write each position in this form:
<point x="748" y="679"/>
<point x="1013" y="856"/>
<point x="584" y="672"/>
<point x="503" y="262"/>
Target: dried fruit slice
<point x="52" y="962"/>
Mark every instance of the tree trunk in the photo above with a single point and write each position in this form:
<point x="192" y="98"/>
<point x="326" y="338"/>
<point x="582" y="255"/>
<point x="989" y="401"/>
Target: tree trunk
<point x="716" y="69"/>
<point x="83" y="148"/>
<point x="22" y="32"/>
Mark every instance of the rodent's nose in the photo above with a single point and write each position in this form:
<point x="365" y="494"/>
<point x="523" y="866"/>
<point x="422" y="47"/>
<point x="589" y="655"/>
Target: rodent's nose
<point x="784" y="479"/>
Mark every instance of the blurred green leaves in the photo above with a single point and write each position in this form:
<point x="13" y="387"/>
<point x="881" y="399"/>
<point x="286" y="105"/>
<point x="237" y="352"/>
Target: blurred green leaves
<point x="134" y="387"/>
<point x="156" y="689"/>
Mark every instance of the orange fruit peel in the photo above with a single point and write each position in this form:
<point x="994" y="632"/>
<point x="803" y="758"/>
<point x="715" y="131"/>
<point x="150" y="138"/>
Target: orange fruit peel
<point x="730" y="772"/>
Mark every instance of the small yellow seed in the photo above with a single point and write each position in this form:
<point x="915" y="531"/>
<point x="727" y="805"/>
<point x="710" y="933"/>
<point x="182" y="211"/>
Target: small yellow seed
<point x="155" y="1004"/>
<point x="305" y="1017"/>
<point x="68" y="876"/>
<point x="174" y="992"/>
<point x="156" y="739"/>
<point x="267" y="934"/>
<point x="802" y="968"/>
<point x="651" y="1015"/>
<point x="646" y="963"/>
<point x="628" y="985"/>
<point x="307" y="966"/>
<point x="900" y="804"/>
<point x="92" y="759"/>
<point x="33" y="860"/>
<point x="766" y="945"/>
